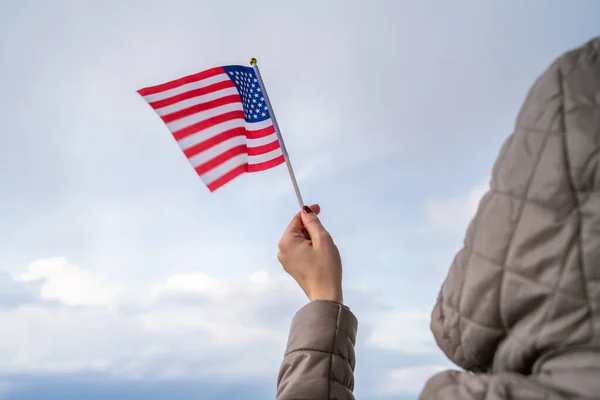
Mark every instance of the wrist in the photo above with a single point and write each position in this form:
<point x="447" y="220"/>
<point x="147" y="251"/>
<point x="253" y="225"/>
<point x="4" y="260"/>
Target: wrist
<point x="335" y="296"/>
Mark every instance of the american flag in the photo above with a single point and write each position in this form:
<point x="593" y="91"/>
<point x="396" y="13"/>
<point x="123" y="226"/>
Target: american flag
<point x="221" y="121"/>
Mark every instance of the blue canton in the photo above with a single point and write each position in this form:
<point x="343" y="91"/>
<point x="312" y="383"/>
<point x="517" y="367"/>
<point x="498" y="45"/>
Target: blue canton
<point x="253" y="100"/>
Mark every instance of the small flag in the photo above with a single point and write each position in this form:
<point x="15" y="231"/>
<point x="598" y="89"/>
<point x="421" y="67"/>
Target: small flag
<point x="221" y="121"/>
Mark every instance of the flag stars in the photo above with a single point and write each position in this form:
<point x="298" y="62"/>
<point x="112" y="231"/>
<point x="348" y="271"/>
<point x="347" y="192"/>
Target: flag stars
<point x="248" y="87"/>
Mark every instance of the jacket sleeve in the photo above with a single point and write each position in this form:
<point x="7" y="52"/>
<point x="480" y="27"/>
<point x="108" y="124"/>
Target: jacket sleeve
<point x="319" y="360"/>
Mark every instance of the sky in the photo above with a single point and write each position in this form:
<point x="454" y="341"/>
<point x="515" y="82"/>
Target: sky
<point x="121" y="276"/>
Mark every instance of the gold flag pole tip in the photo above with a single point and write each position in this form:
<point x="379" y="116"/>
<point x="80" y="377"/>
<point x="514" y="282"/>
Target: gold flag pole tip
<point x="253" y="61"/>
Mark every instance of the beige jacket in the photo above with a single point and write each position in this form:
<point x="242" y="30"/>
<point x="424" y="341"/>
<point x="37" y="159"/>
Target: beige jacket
<point x="520" y="307"/>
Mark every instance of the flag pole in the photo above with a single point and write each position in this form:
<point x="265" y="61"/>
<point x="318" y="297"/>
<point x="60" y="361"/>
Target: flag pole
<point x="286" y="157"/>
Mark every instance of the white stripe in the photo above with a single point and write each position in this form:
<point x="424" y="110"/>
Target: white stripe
<point x="186" y="88"/>
<point x="224" y="168"/>
<point x="257" y="126"/>
<point x="207" y="133"/>
<point x="195" y="100"/>
<point x="217" y="150"/>
<point x="262" y="141"/>
<point x="228" y="144"/>
<point x="264" y="157"/>
<point x="224" y="146"/>
<point x="184" y="122"/>
<point x="241" y="159"/>
<point x="201" y="136"/>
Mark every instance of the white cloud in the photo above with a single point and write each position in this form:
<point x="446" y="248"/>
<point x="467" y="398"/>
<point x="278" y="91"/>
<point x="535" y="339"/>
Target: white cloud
<point x="196" y="282"/>
<point x="69" y="284"/>
<point x="455" y="213"/>
<point x="409" y="381"/>
<point x="406" y="331"/>
<point x="188" y="326"/>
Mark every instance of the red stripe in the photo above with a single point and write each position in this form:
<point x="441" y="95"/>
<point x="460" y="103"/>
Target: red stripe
<point x="213" y="141"/>
<point x="220" y="159"/>
<point x="207" y="123"/>
<point x="182" y="81"/>
<point x="186" y="112"/>
<point x="234" y="173"/>
<point x="266" y="165"/>
<point x="215" y="87"/>
<point x="261" y="133"/>
<point x="265" y="148"/>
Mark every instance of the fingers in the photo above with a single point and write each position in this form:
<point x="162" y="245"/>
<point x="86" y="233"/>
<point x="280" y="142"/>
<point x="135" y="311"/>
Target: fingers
<point x="295" y="230"/>
<point x="312" y="224"/>
<point x="316" y="208"/>
<point x="296" y="226"/>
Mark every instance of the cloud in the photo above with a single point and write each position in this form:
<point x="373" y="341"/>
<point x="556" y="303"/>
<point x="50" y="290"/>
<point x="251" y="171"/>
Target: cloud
<point x="64" y="282"/>
<point x="189" y="326"/>
<point x="409" y="380"/>
<point x="455" y="213"/>
<point x="12" y="293"/>
<point x="406" y="331"/>
<point x="192" y="326"/>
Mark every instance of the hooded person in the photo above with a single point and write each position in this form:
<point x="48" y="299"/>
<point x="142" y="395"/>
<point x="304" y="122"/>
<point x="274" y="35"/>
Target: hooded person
<point x="519" y="311"/>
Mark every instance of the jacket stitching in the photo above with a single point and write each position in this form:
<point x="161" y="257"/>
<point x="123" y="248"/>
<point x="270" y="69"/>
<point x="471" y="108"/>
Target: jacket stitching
<point x="318" y="351"/>
<point x="337" y="324"/>
<point x="515" y="228"/>
<point x="347" y="334"/>
<point x="519" y="340"/>
<point x="511" y="270"/>
<point x="577" y="201"/>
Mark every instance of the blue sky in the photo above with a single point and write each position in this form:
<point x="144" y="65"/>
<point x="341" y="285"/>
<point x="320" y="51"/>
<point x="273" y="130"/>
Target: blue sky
<point x="121" y="276"/>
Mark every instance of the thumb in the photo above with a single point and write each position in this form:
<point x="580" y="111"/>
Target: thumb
<point x="311" y="222"/>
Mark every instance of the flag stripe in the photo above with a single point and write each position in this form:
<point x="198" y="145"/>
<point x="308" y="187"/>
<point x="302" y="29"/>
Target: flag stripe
<point x="215" y="140"/>
<point x="262" y="166"/>
<point x="217" y="149"/>
<point x="260" y="133"/>
<point x="241" y="159"/>
<point x="151" y="98"/>
<point x="192" y="120"/>
<point x="210" y="116"/>
<point x="251" y="131"/>
<point x="257" y="159"/>
<point x="200" y="76"/>
<point x="198" y="108"/>
<point x="228" y="177"/>
<point x="207" y="123"/>
<point x="262" y="149"/>
<point x="220" y="159"/>
<point x="222" y="149"/>
<point x="164" y="106"/>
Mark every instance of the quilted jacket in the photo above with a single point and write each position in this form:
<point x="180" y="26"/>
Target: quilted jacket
<point x="519" y="311"/>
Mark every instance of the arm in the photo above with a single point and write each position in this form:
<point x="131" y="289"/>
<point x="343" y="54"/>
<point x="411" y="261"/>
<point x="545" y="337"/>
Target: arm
<point x="319" y="360"/>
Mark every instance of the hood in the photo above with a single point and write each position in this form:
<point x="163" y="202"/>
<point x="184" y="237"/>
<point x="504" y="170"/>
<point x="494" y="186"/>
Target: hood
<point x="526" y="284"/>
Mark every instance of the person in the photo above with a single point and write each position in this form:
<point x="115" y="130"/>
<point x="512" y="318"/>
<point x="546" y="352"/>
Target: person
<point x="519" y="311"/>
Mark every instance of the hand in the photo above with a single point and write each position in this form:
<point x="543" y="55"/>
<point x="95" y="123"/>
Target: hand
<point x="307" y="252"/>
